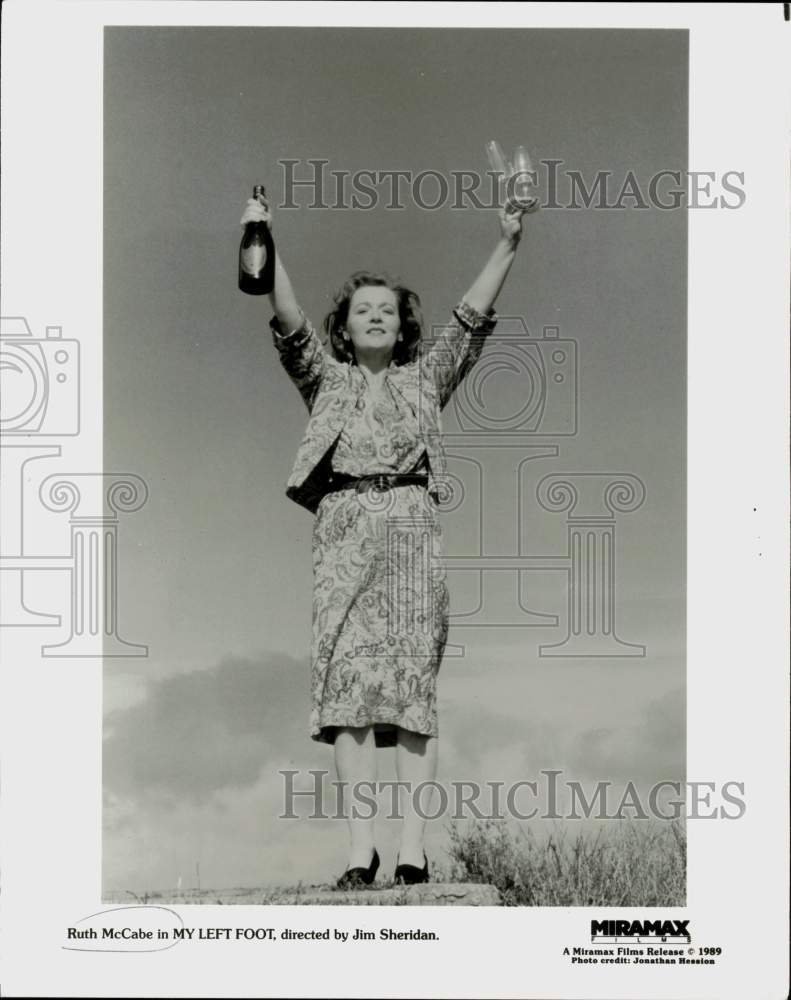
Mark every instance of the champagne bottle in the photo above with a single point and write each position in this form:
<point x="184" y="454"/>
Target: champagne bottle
<point x="257" y="255"/>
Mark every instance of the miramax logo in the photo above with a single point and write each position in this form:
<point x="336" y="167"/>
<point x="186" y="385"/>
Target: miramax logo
<point x="640" y="931"/>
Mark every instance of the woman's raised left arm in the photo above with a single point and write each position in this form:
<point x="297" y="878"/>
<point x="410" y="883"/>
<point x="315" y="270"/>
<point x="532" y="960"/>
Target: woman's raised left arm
<point x="486" y="287"/>
<point x="455" y="348"/>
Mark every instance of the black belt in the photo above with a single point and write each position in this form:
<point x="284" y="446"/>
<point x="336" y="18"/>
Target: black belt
<point x="377" y="481"/>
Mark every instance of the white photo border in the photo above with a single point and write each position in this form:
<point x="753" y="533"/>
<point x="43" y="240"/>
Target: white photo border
<point x="737" y="532"/>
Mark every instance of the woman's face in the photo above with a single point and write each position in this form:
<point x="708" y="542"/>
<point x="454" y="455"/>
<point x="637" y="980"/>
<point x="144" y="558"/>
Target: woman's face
<point x="373" y="323"/>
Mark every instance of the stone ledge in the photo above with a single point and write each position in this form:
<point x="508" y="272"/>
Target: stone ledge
<point x="427" y="894"/>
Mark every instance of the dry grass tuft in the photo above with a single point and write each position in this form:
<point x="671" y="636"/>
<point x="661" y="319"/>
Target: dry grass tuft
<point x="634" y="863"/>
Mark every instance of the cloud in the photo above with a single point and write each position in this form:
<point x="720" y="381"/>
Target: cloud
<point x="651" y="747"/>
<point x="232" y="839"/>
<point x="194" y="734"/>
<point x="191" y="765"/>
<point x="611" y="721"/>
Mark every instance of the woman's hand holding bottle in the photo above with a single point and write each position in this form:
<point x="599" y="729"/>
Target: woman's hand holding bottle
<point x="257" y="211"/>
<point x="257" y="249"/>
<point x="277" y="285"/>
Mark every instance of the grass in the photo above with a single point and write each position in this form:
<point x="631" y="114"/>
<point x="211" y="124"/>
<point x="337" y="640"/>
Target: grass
<point x="636" y="863"/>
<point x="630" y="863"/>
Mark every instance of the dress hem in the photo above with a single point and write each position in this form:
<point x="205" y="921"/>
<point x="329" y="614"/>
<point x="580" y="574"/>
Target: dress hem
<point x="388" y="737"/>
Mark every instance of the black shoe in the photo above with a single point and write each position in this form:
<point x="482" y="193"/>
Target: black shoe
<point x="353" y="878"/>
<point x="411" y="874"/>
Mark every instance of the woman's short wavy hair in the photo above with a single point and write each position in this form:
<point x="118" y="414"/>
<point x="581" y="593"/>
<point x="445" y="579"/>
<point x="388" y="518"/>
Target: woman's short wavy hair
<point x="411" y="318"/>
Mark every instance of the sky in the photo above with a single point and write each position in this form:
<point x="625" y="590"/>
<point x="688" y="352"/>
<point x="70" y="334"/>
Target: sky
<point x="215" y="570"/>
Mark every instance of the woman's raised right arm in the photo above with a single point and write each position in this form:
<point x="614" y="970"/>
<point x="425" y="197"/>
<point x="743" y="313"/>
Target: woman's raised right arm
<point x="283" y="300"/>
<point x="298" y="345"/>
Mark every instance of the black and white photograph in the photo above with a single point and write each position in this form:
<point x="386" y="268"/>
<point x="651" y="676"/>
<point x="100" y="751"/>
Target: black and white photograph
<point x="455" y="554"/>
<point x="394" y="519"/>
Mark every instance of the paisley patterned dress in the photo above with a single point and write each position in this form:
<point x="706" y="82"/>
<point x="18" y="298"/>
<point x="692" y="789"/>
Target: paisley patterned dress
<point x="380" y="600"/>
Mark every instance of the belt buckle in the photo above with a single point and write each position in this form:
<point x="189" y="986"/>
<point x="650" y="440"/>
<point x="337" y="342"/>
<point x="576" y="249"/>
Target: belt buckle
<point x="373" y="482"/>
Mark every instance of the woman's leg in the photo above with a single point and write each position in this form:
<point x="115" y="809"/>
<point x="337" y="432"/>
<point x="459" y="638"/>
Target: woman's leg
<point x="416" y="762"/>
<point x="355" y="760"/>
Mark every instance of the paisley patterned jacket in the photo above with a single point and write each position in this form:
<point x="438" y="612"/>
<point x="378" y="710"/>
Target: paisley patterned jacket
<point x="331" y="389"/>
